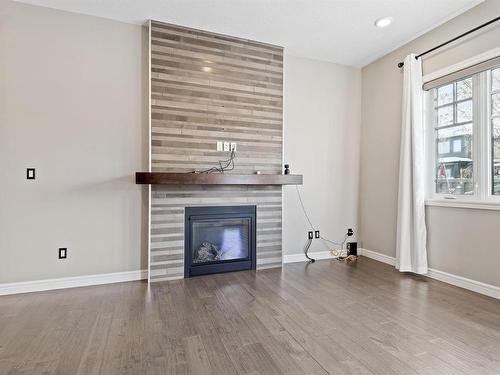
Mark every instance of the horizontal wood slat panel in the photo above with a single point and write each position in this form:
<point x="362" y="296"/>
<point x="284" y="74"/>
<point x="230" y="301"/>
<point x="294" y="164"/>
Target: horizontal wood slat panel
<point x="207" y="87"/>
<point x="213" y="53"/>
<point x="168" y="240"/>
<point x="208" y="35"/>
<point x="235" y="47"/>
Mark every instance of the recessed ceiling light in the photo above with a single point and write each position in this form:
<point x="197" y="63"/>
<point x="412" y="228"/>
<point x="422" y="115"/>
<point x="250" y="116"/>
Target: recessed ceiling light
<point x="383" y="22"/>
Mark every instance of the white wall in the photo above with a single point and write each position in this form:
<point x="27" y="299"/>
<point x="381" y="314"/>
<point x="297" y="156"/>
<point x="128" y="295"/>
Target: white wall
<point x="72" y="91"/>
<point x="72" y="105"/>
<point x="322" y="106"/>
<point x="460" y="241"/>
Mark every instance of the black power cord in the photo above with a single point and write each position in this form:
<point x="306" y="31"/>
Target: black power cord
<point x="306" y="249"/>
<point x="309" y="241"/>
<point x="224" y="165"/>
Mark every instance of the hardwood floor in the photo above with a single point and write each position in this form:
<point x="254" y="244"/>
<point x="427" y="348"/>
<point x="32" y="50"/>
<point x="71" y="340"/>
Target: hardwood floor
<point x="323" y="318"/>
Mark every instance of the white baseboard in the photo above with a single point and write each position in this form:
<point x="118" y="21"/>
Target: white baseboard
<point x="117" y="277"/>
<point x="377" y="256"/>
<point x="71" y="282"/>
<point x="318" y="255"/>
<point x="461" y="282"/>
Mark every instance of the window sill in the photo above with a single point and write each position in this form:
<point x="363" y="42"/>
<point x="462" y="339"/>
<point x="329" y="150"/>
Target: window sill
<point x="456" y="203"/>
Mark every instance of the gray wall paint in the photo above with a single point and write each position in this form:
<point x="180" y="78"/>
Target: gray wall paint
<point x="465" y="242"/>
<point x="322" y="105"/>
<point x="71" y="105"/>
<point x="455" y="235"/>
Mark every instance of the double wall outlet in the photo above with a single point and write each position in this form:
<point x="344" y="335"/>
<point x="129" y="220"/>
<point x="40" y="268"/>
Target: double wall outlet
<point x="226" y="146"/>
<point x="311" y="235"/>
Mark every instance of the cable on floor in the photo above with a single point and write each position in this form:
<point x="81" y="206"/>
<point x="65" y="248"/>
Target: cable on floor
<point x="338" y="253"/>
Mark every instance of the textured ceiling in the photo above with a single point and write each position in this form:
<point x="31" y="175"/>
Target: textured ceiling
<point x="340" y="31"/>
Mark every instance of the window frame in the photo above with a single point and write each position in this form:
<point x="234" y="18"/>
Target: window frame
<point x="489" y="119"/>
<point x="482" y="152"/>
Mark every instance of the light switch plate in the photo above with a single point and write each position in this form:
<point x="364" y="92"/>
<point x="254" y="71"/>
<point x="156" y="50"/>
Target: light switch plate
<point x="30" y="173"/>
<point x="226" y="146"/>
<point x="233" y="146"/>
<point x="220" y="146"/>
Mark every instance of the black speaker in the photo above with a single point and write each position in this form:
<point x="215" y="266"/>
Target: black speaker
<point x="352" y="247"/>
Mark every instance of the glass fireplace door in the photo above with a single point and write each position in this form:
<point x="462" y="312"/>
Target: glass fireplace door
<point x="220" y="240"/>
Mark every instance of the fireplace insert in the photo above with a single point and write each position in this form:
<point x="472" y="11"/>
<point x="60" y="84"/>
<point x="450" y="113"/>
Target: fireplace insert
<point x="219" y="239"/>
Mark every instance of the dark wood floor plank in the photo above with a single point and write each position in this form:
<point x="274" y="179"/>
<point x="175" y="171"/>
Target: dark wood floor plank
<point x="322" y="318"/>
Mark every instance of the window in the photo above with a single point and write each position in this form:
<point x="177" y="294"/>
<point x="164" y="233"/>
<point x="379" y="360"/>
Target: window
<point x="443" y="147"/>
<point x="453" y="108"/>
<point x="464" y="138"/>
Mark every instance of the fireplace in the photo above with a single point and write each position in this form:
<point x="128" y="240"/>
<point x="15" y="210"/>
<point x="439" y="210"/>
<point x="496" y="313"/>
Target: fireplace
<point x="219" y="239"/>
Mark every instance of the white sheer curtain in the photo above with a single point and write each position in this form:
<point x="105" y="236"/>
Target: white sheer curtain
<point x="411" y="251"/>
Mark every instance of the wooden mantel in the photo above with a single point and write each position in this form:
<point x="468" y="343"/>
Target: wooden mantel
<point x="161" y="178"/>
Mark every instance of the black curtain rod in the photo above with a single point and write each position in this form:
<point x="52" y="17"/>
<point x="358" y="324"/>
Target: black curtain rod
<point x="401" y="64"/>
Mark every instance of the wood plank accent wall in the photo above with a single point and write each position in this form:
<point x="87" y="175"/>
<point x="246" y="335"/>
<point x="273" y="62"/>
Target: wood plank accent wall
<point x="207" y="87"/>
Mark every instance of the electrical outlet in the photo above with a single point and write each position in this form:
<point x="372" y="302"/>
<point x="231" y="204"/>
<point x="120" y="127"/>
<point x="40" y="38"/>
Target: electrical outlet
<point x="316" y="234"/>
<point x="310" y="235"/>
<point x="233" y="146"/>
<point x="226" y="146"/>
<point x="63" y="253"/>
<point x="220" y="146"/>
<point x="30" y="173"/>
